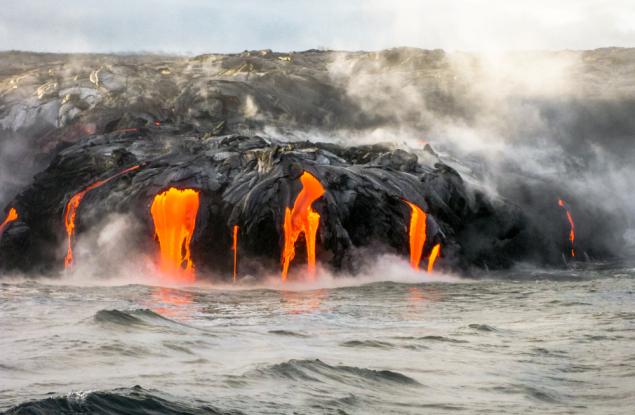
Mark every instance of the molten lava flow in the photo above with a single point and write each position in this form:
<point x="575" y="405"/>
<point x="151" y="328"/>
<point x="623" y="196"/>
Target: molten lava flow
<point x="561" y="203"/>
<point x="417" y="232"/>
<point x="302" y="219"/>
<point x="235" y="249"/>
<point x="11" y="216"/>
<point x="433" y="257"/>
<point x="70" y="212"/>
<point x="174" y="215"/>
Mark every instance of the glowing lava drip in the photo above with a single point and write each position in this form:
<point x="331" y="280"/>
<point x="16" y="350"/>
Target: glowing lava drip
<point x="70" y="212"/>
<point x="561" y="203"/>
<point x="433" y="256"/>
<point x="11" y="216"/>
<point x="174" y="215"/>
<point x="302" y="219"/>
<point x="235" y="249"/>
<point x="417" y="233"/>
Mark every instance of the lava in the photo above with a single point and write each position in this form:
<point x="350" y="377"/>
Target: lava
<point x="302" y="219"/>
<point x="417" y="232"/>
<point x="562" y="204"/>
<point x="11" y="216"/>
<point x="70" y="212"/>
<point x="174" y="215"/>
<point x="235" y="249"/>
<point x="433" y="257"/>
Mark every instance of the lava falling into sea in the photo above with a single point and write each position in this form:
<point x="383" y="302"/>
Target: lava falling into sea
<point x="235" y="249"/>
<point x="174" y="214"/>
<point x="417" y="234"/>
<point x="11" y="216"/>
<point x="302" y="219"/>
<point x="563" y="205"/>
<point x="434" y="254"/>
<point x="70" y="212"/>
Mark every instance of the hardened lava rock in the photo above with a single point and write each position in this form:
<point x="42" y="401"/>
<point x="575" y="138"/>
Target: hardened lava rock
<point x="249" y="181"/>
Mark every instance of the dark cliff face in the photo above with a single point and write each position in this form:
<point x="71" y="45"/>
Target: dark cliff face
<point x="233" y="127"/>
<point x="249" y="182"/>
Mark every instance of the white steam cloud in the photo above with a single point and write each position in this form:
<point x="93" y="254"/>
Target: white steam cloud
<point x="541" y="119"/>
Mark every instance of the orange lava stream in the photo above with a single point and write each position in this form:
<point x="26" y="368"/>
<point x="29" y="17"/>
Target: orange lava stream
<point x="174" y="215"/>
<point x="70" y="212"/>
<point x="433" y="256"/>
<point x="561" y="203"/>
<point x="235" y="249"/>
<point x="11" y="216"/>
<point x="302" y="219"/>
<point x="417" y="232"/>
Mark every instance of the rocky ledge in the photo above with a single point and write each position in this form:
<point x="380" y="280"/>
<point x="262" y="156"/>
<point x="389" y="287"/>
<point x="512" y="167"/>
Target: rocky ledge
<point x="249" y="182"/>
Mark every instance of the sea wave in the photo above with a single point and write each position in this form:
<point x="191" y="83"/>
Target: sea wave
<point x="131" y="317"/>
<point x="129" y="401"/>
<point x="289" y="333"/>
<point x="376" y="344"/>
<point x="318" y="371"/>
<point x="141" y="319"/>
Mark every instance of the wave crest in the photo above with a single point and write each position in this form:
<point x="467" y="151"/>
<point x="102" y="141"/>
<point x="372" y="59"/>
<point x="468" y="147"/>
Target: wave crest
<point x="129" y="401"/>
<point x="318" y="371"/>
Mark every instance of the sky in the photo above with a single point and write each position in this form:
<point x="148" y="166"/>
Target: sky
<point x="199" y="26"/>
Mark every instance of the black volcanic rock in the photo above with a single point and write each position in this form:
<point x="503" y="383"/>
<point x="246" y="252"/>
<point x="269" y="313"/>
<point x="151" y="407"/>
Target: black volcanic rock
<point x="249" y="181"/>
<point x="231" y="126"/>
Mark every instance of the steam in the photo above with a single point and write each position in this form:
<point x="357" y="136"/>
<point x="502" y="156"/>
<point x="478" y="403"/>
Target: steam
<point x="141" y="270"/>
<point x="18" y="163"/>
<point x="544" y="120"/>
<point x="110" y="253"/>
<point x="389" y="268"/>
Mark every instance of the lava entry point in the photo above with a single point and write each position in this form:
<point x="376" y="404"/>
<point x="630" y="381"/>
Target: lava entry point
<point x="174" y="215"/>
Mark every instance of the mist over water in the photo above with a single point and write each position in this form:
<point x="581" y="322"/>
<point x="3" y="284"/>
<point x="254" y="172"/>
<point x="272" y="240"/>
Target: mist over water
<point x="527" y="342"/>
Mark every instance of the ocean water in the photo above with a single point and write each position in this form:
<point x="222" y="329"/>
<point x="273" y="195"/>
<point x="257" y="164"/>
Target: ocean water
<point x="531" y="342"/>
